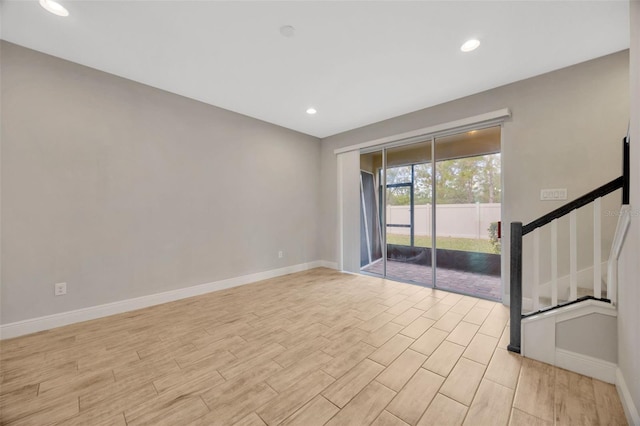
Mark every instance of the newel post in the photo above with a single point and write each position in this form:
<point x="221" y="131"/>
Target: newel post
<point x="515" y="286"/>
<point x="626" y="170"/>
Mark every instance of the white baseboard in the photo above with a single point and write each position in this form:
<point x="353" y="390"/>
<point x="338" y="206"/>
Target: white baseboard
<point x="20" y="328"/>
<point x="327" y="264"/>
<point x="586" y="365"/>
<point x="630" y="409"/>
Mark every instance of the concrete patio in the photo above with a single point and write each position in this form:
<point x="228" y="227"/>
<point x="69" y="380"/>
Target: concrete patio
<point x="479" y="285"/>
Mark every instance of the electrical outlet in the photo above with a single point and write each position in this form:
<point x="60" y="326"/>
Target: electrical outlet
<point x="280" y="254"/>
<point x="60" y="289"/>
<point x="553" y="194"/>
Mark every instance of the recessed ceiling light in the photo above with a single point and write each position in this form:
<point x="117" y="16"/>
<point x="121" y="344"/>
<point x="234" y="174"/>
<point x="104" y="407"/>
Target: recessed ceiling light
<point x="287" y="31"/>
<point x="54" y="7"/>
<point x="311" y="111"/>
<point x="470" y="45"/>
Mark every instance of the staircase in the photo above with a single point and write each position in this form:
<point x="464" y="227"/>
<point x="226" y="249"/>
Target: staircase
<point x="549" y="325"/>
<point x="583" y="293"/>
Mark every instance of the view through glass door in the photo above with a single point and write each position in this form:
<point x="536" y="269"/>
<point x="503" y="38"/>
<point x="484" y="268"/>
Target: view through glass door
<point x="408" y="213"/>
<point x="398" y="240"/>
<point x="468" y="196"/>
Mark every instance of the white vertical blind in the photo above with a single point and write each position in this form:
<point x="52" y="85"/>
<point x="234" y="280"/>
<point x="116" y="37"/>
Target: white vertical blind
<point x="349" y="210"/>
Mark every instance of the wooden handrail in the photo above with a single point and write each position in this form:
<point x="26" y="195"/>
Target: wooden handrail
<point x="575" y="204"/>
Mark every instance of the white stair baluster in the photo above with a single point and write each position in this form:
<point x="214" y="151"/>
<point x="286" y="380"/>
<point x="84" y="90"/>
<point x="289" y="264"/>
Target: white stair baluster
<point x="597" y="258"/>
<point x="536" y="270"/>
<point x="573" y="256"/>
<point x="554" y="262"/>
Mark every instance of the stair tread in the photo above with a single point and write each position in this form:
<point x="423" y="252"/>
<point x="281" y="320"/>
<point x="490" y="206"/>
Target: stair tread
<point x="545" y="302"/>
<point x="561" y="303"/>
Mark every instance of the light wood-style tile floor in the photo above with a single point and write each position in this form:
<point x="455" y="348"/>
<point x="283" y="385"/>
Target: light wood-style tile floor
<point x="312" y="348"/>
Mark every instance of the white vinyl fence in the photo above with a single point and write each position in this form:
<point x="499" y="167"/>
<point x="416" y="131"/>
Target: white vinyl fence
<point x="454" y="220"/>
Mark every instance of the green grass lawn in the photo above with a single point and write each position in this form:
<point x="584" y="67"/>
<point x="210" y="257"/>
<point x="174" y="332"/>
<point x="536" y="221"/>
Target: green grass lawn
<point x="450" y="243"/>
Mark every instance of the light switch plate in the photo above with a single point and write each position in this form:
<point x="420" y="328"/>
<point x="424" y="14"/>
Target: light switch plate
<point x="553" y="194"/>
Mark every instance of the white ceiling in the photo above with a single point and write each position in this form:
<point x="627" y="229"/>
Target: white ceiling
<point x="356" y="62"/>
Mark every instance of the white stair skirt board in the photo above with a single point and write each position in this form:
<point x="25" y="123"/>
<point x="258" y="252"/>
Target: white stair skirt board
<point x="20" y="328"/>
<point x="630" y="409"/>
<point x="539" y="340"/>
<point x="586" y="365"/>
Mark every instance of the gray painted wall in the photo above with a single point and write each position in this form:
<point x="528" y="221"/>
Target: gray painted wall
<point x="122" y="190"/>
<point x="565" y="132"/>
<point x="629" y="267"/>
<point x="593" y="335"/>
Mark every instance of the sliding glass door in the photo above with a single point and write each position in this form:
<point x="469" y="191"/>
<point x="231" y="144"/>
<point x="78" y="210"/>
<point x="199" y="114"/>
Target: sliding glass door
<point x="407" y="213"/>
<point x="468" y="194"/>
<point x="413" y="218"/>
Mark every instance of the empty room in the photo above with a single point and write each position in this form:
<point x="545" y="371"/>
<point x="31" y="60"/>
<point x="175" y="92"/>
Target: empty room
<point x="319" y="212"/>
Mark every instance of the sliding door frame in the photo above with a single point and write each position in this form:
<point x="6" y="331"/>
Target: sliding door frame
<point x="383" y="184"/>
<point x="434" y="255"/>
<point x="383" y="219"/>
<point x="478" y="122"/>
